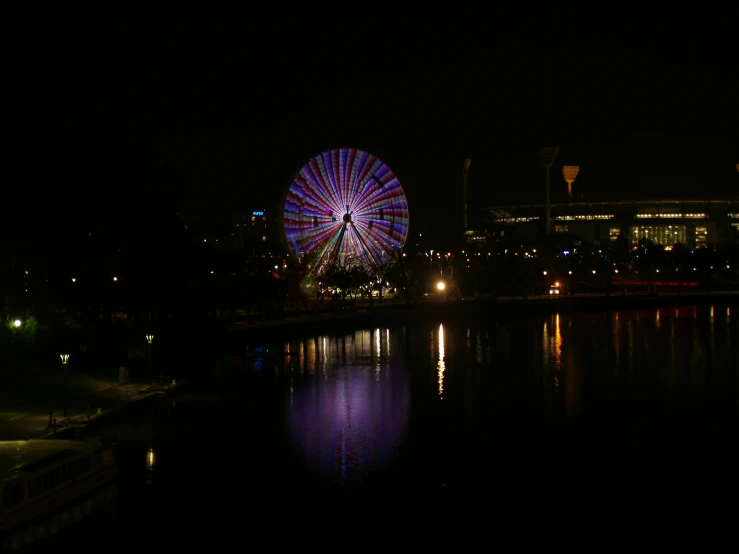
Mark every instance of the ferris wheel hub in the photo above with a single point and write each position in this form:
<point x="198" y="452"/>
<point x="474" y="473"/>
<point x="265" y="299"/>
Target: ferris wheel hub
<point x="347" y="218"/>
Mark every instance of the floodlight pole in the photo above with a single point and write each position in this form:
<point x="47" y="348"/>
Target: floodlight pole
<point x="548" y="156"/>
<point x="465" y="170"/>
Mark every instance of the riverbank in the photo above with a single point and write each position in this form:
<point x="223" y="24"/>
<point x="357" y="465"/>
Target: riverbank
<point x="90" y="401"/>
<point x="469" y="310"/>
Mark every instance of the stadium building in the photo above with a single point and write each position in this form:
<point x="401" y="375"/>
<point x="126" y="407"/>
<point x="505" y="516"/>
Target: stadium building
<point x="695" y="224"/>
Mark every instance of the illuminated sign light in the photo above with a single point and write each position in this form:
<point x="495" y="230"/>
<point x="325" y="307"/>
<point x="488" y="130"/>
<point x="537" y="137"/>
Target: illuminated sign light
<point x="257" y="213"/>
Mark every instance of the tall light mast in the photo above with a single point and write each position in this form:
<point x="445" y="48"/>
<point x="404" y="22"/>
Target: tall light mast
<point x="465" y="170"/>
<point x="548" y="155"/>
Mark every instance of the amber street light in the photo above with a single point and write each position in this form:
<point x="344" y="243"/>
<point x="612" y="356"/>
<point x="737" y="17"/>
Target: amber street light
<point x="570" y="173"/>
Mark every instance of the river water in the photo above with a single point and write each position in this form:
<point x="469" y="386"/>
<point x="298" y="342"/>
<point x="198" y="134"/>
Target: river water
<point x="592" y="427"/>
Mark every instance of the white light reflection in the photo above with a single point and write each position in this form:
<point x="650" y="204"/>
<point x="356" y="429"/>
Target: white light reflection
<point x="324" y="358"/>
<point x="387" y="343"/>
<point x="377" y="359"/>
<point x="150" y="459"/>
<point x="441" y="366"/>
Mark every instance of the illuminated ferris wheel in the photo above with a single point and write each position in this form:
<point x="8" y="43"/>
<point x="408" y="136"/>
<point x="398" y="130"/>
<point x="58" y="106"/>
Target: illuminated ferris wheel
<point x="345" y="206"/>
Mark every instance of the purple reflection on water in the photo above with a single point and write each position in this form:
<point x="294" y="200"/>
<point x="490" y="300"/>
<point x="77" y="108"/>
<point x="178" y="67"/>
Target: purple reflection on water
<point x="351" y="422"/>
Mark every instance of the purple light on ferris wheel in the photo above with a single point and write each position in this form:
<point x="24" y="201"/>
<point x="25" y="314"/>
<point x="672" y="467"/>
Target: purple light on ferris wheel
<point x="345" y="204"/>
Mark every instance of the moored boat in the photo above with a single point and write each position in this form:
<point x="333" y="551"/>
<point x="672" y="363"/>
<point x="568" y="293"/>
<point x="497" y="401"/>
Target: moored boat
<point x="48" y="484"/>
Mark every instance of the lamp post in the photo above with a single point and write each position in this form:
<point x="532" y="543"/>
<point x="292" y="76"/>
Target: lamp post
<point x="570" y="173"/>
<point x="149" y="339"/>
<point x="548" y="155"/>
<point x="441" y="287"/>
<point x="65" y="361"/>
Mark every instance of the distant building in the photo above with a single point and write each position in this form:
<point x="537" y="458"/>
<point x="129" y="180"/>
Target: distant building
<point x="476" y="236"/>
<point x="255" y="230"/>
<point x="695" y="224"/>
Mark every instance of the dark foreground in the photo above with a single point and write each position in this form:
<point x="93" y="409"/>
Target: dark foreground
<point x="224" y="476"/>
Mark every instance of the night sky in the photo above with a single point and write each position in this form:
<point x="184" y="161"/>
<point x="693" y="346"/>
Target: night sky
<point x="211" y="112"/>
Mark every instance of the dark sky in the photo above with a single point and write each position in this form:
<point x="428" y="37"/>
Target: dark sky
<point x="215" y="110"/>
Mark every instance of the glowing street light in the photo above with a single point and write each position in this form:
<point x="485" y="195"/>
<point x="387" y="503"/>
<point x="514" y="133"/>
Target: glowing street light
<point x="17" y="323"/>
<point x="115" y="278"/>
<point x="440" y="285"/>
<point x="65" y="359"/>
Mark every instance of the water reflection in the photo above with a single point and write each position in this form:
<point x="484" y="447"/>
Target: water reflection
<point x="552" y="347"/>
<point x="377" y="356"/>
<point x="350" y="422"/>
<point x="441" y="365"/>
<point x="586" y="365"/>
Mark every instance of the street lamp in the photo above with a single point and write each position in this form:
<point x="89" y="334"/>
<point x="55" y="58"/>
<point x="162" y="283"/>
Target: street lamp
<point x="17" y="323"/>
<point x="65" y="361"/>
<point x="548" y="156"/>
<point x="149" y="339"/>
<point x="441" y="287"/>
<point x="570" y="173"/>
